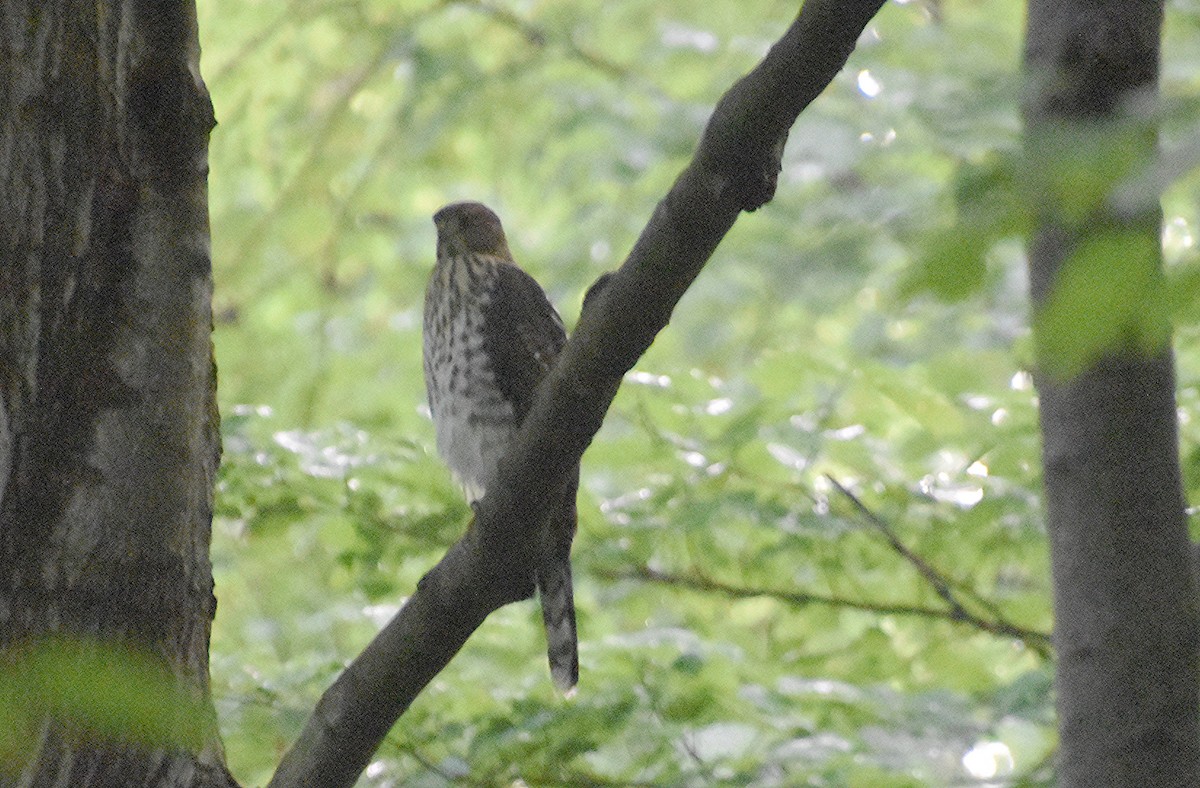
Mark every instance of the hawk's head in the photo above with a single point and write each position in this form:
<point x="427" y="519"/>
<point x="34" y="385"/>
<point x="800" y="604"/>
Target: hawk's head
<point x="470" y="228"/>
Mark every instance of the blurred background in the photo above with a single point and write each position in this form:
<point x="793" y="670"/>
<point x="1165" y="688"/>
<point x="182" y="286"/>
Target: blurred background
<point x="742" y="620"/>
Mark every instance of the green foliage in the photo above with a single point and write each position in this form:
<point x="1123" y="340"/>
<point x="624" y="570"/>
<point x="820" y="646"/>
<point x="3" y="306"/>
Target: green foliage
<point x="742" y="621"/>
<point x="1108" y="298"/>
<point x="989" y="207"/>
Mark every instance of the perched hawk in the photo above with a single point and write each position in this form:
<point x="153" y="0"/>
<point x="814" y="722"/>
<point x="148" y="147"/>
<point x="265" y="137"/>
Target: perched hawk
<point x="490" y="338"/>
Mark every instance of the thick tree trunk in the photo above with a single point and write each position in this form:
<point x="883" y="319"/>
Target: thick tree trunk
<point x="1124" y="595"/>
<point x="108" y="423"/>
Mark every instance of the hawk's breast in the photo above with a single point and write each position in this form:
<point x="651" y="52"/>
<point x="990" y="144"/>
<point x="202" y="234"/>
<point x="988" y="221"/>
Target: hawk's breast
<point x="473" y="420"/>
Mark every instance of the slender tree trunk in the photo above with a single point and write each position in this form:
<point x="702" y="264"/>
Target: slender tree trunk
<point x="1124" y="595"/>
<point x="108" y="422"/>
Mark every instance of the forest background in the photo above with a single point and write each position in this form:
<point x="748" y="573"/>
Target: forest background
<point x="742" y="618"/>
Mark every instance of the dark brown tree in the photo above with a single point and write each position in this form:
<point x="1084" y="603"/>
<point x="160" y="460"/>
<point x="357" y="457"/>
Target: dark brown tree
<point x="108" y="425"/>
<point x="1124" y="594"/>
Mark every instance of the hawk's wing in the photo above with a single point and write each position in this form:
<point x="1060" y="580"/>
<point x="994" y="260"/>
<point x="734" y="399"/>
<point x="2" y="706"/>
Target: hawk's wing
<point x="523" y="336"/>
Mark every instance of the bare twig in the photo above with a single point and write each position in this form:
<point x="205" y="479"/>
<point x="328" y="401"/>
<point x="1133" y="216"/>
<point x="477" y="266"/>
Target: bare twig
<point x="934" y="578"/>
<point x="1039" y="642"/>
<point x="537" y="37"/>
<point x="946" y="589"/>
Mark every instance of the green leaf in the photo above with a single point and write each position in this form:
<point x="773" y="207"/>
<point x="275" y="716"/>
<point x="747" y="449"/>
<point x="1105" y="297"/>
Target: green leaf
<point x="103" y="689"/>
<point x="1108" y="299"/>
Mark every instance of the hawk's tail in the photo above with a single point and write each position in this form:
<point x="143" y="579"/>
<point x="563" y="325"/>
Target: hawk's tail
<point x="558" y="614"/>
<point x="557" y="594"/>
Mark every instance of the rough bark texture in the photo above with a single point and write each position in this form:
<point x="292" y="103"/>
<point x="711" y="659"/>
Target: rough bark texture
<point x="733" y="170"/>
<point x="108" y="424"/>
<point x="1124" y="595"/>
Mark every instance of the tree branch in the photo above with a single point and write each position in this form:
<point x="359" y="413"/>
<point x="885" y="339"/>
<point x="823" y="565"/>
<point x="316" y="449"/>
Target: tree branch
<point x="1039" y="642"/>
<point x="950" y="592"/>
<point x="734" y="169"/>
<point x="931" y="575"/>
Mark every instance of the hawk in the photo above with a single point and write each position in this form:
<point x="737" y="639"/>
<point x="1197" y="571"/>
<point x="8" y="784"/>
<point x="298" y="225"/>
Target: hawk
<point x="490" y="337"/>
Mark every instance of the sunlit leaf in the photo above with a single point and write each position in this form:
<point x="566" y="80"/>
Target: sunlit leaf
<point x="99" y="689"/>
<point x="1108" y="298"/>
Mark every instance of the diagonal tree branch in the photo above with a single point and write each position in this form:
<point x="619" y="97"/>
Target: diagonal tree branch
<point x="734" y="169"/>
<point x="931" y="575"/>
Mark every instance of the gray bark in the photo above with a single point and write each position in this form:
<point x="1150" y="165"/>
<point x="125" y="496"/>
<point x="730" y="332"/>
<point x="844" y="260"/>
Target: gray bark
<point x="1124" y="594"/>
<point x="108" y="426"/>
